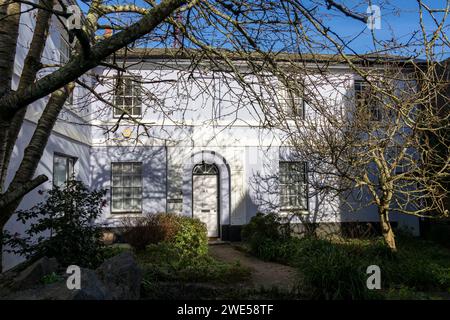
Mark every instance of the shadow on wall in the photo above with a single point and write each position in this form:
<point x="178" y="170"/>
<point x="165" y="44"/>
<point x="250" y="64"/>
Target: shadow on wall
<point x="55" y="144"/>
<point x="322" y="218"/>
<point x="153" y="185"/>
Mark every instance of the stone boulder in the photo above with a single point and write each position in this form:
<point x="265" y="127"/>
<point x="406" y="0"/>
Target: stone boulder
<point x="118" y="278"/>
<point x="121" y="276"/>
<point x="91" y="289"/>
<point x="33" y="274"/>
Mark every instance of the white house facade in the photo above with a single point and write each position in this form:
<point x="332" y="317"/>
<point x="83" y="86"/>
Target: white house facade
<point x="192" y="143"/>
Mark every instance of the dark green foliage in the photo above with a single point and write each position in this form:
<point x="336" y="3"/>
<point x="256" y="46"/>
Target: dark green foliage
<point x="331" y="272"/>
<point x="191" y="237"/>
<point x="114" y="250"/>
<point x="261" y="231"/>
<point x="164" y="262"/>
<point x="186" y="234"/>
<point x="63" y="227"/>
<point x="51" y="278"/>
<point x="337" y="269"/>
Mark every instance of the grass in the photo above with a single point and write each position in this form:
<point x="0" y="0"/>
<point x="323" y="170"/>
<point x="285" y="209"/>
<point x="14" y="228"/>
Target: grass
<point x="168" y="275"/>
<point x="337" y="269"/>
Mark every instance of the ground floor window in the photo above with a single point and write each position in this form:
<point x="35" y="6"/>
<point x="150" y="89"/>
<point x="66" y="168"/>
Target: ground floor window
<point x="62" y="169"/>
<point x="126" y="187"/>
<point x="293" y="185"/>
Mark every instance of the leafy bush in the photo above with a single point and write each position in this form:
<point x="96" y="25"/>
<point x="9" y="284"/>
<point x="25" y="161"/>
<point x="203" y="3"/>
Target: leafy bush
<point x="261" y="231"/>
<point x="187" y="234"/>
<point x="331" y="272"/>
<point x="165" y="262"/>
<point x="114" y="250"/>
<point x="63" y="227"/>
<point x="141" y="231"/>
<point x="191" y="237"/>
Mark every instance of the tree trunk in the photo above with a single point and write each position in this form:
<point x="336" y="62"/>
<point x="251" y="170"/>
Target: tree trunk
<point x="31" y="66"/>
<point x="386" y="229"/>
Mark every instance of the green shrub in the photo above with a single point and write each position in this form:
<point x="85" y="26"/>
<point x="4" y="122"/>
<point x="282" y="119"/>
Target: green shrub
<point x="332" y="272"/>
<point x="191" y="237"/>
<point x="188" y="235"/>
<point x="63" y="227"/>
<point x="165" y="262"/>
<point x="261" y="231"/>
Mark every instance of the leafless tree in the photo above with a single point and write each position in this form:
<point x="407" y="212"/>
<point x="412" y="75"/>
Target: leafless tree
<point x="222" y="35"/>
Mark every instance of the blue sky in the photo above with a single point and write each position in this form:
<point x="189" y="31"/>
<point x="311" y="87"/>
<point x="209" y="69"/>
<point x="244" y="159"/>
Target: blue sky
<point x="399" y="20"/>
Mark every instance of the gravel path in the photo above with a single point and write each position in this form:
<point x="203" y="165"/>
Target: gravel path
<point x="264" y="274"/>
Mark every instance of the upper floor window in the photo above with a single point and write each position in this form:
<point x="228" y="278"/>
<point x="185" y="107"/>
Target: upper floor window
<point x="65" y="50"/>
<point x="127" y="96"/>
<point x="293" y="100"/>
<point x="62" y="169"/>
<point x="293" y="185"/>
<point x="126" y="191"/>
<point x="365" y="97"/>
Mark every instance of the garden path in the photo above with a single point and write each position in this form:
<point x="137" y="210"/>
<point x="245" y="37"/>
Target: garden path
<point x="263" y="274"/>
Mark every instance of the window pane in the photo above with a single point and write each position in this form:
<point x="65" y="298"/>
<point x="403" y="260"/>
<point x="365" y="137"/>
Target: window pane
<point x="117" y="193"/>
<point x="59" y="171"/>
<point x="119" y="87"/>
<point x="126" y="168"/>
<point x="128" y="86"/>
<point x="127" y="204"/>
<point x="136" y="204"/>
<point x="63" y="169"/>
<point x="119" y="101"/>
<point x="116" y="204"/>
<point x="136" y="111"/>
<point x="116" y="180"/>
<point x="137" y="193"/>
<point x="128" y="101"/>
<point x="70" y="165"/>
<point x="115" y="168"/>
<point x="293" y="185"/>
<point x="128" y="176"/>
<point x="126" y="181"/>
<point x="136" y="181"/>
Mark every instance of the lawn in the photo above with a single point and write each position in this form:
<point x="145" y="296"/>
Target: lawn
<point x="336" y="269"/>
<point x="168" y="275"/>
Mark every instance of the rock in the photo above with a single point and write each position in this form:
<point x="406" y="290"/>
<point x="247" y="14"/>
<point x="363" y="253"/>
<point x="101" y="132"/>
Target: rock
<point x="33" y="274"/>
<point x="118" y="278"/>
<point x="91" y="289"/>
<point x="121" y="276"/>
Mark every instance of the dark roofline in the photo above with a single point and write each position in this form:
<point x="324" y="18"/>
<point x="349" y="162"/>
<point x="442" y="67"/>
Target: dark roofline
<point x="188" y="54"/>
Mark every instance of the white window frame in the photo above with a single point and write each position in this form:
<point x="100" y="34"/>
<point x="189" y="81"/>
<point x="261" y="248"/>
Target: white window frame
<point x="293" y="100"/>
<point x="135" y="96"/>
<point x="69" y="168"/>
<point x="65" y="53"/>
<point x="297" y="189"/>
<point x="372" y="105"/>
<point x="126" y="186"/>
<point x="65" y="50"/>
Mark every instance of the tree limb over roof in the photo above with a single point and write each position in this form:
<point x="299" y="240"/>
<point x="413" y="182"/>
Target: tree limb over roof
<point x="185" y="53"/>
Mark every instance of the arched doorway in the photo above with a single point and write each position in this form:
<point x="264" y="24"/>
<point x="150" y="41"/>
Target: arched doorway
<point x="208" y="158"/>
<point x="205" y="196"/>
